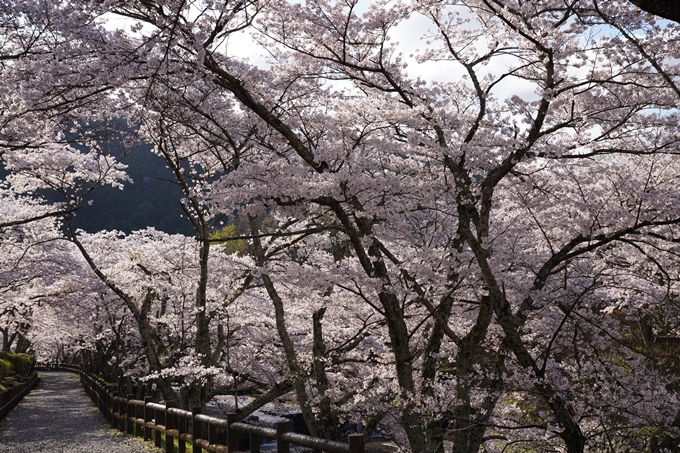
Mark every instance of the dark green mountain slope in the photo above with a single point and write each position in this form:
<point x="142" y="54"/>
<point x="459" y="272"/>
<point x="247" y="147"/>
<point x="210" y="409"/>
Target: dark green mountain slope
<point x="152" y="200"/>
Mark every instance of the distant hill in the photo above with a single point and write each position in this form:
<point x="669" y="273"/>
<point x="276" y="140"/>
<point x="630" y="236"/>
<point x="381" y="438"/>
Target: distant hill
<point x="152" y="200"/>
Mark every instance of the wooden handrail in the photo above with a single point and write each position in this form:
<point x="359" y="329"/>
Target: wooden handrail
<point x="141" y="418"/>
<point x="56" y="366"/>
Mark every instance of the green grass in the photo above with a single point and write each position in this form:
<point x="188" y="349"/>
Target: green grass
<point x="151" y="446"/>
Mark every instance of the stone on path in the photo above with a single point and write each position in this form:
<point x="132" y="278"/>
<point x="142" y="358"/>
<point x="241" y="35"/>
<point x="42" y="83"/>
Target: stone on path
<point x="58" y="417"/>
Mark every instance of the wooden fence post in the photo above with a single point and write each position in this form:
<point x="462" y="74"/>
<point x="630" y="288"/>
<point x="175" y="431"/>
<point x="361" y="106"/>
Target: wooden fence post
<point x="129" y="414"/>
<point x="148" y="416"/>
<point x="101" y="396"/>
<point x="254" y="443"/>
<point x="212" y="434"/>
<point x="109" y="403"/>
<point x="232" y="435"/>
<point x="196" y="428"/>
<point x="181" y="431"/>
<point x="356" y="443"/>
<point x="106" y="403"/>
<point x="169" y="424"/>
<point x="114" y="411"/>
<point x="282" y="428"/>
<point x="139" y="415"/>
<point x="159" y="418"/>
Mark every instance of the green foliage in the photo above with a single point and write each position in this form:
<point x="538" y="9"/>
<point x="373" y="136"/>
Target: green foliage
<point x="105" y="382"/>
<point x="5" y="368"/>
<point x="189" y="448"/>
<point x="225" y="236"/>
<point x="19" y="363"/>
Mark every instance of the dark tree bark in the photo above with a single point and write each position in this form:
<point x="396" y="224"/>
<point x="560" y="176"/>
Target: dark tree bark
<point x="668" y="9"/>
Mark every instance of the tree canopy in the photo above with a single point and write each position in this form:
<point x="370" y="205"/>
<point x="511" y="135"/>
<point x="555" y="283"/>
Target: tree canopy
<point x="455" y="222"/>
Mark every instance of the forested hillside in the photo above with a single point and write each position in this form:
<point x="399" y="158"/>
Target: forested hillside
<point x="151" y="200"/>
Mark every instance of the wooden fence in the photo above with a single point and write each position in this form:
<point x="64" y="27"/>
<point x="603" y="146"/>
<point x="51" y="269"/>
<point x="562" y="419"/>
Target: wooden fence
<point x="56" y="366"/>
<point x="9" y="399"/>
<point x="204" y="432"/>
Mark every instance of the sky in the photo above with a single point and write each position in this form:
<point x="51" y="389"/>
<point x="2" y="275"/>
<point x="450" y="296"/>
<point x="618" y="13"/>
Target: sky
<point x="410" y="36"/>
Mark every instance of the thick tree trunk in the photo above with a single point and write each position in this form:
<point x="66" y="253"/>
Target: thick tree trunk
<point x="329" y="419"/>
<point x="403" y="360"/>
<point x="7" y="339"/>
<point x="198" y="392"/>
<point x="202" y="320"/>
<point x="150" y="345"/>
<point x="464" y="430"/>
<point x="435" y="430"/>
<point x="298" y="374"/>
<point x="23" y="344"/>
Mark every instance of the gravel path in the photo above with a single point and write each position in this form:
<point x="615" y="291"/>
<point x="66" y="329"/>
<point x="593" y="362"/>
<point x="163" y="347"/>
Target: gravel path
<point x="58" y="417"/>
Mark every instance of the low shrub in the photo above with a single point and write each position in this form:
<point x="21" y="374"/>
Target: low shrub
<point x="21" y="363"/>
<point x="5" y="368"/>
<point x="24" y="364"/>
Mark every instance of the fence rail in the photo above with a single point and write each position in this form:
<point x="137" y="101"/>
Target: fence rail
<point x="204" y="432"/>
<point x="56" y="366"/>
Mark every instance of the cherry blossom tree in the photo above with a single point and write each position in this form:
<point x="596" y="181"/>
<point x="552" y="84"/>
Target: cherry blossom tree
<point x="485" y="257"/>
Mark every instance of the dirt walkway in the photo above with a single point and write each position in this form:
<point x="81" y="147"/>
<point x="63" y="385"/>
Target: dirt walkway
<point x="58" y="417"/>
